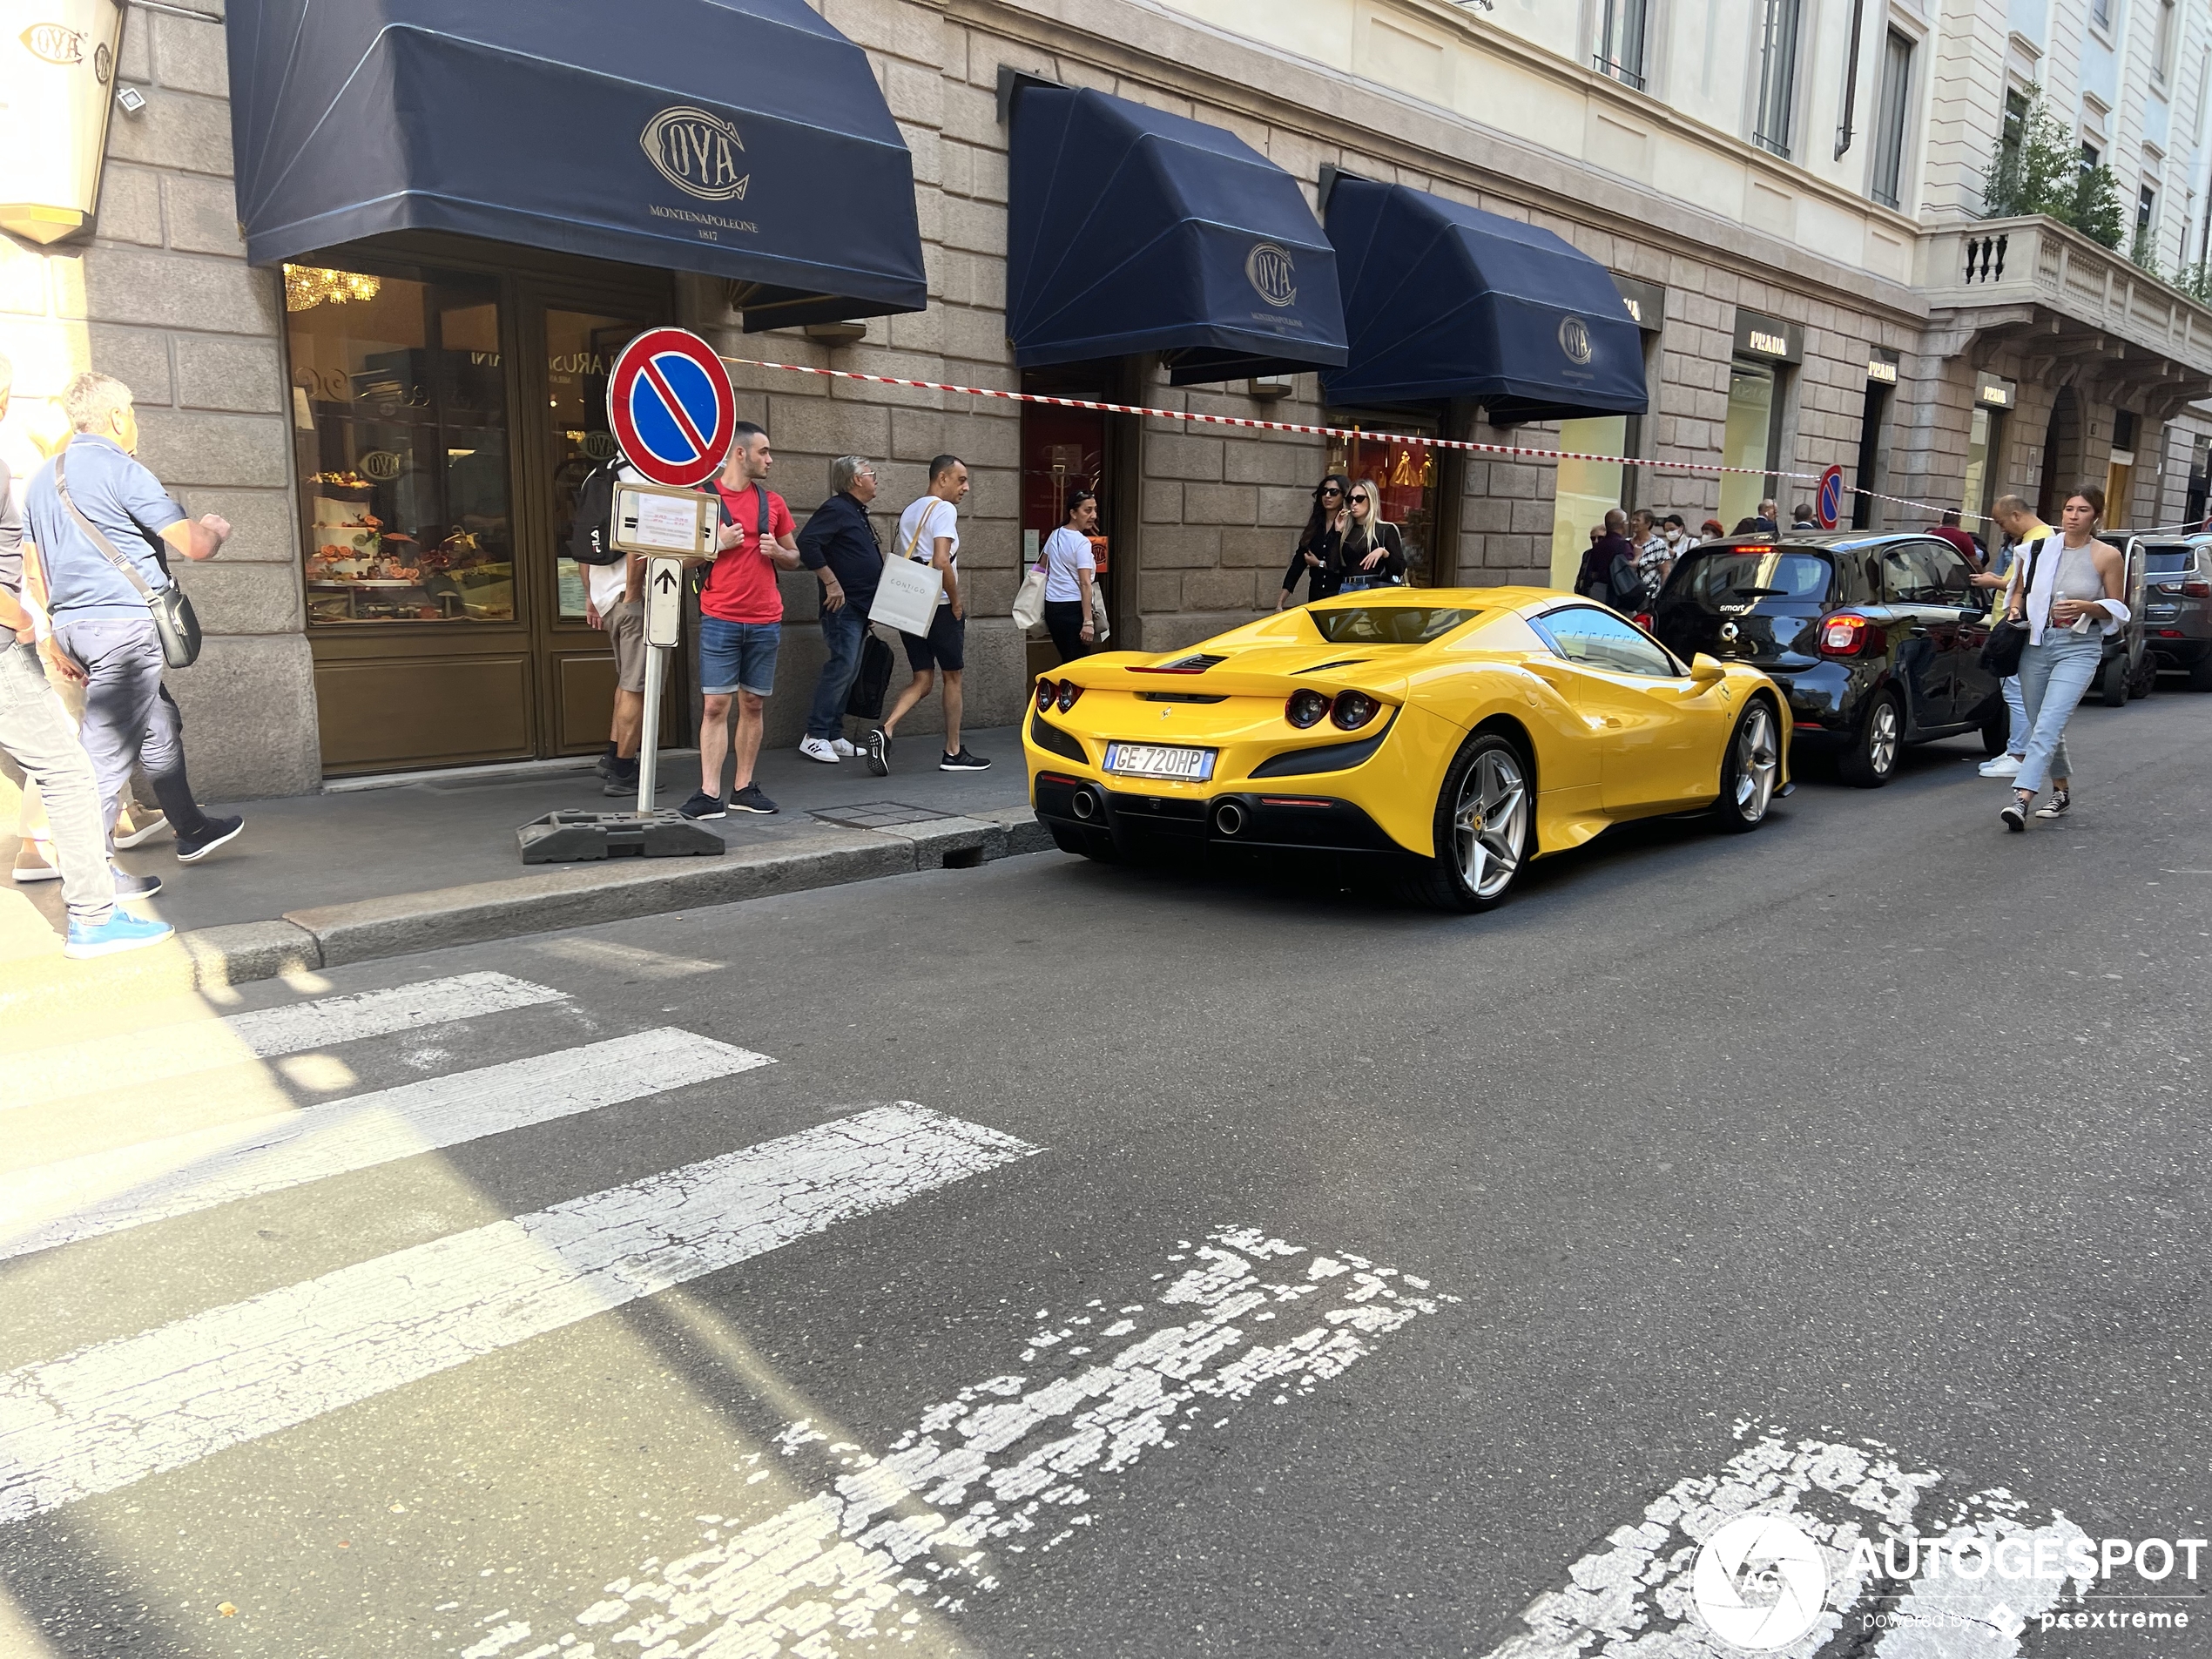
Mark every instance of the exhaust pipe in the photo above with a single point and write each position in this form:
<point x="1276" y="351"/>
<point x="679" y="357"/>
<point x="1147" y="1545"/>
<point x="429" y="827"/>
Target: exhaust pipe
<point x="1228" y="818"/>
<point x="1086" y="804"/>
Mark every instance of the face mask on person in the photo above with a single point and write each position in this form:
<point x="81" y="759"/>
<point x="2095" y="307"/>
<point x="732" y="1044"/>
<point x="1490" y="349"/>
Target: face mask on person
<point x="1674" y="534"/>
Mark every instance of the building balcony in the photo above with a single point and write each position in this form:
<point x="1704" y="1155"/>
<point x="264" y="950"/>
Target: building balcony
<point x="2069" y="306"/>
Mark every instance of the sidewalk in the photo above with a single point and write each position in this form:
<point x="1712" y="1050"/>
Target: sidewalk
<point x="351" y="873"/>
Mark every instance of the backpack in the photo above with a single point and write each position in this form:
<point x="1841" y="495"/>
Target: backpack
<point x="589" y="540"/>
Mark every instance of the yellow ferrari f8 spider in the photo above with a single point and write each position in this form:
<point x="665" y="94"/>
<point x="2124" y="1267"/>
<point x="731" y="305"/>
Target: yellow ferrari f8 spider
<point x="1463" y="732"/>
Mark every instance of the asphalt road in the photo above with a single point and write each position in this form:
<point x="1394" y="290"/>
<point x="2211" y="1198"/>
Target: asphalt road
<point x="1854" y="1169"/>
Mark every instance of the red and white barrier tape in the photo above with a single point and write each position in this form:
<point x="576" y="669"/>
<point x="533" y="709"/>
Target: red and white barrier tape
<point x="1468" y="445"/>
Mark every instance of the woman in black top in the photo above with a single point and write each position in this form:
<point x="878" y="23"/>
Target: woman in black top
<point x="1319" y="543"/>
<point x="1371" y="554"/>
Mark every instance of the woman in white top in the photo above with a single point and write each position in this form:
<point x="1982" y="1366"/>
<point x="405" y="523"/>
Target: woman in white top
<point x="1069" y="567"/>
<point x="2068" y="593"/>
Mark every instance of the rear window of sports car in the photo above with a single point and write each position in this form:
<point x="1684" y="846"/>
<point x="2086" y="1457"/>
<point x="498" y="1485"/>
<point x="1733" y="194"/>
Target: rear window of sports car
<point x="1388" y="625"/>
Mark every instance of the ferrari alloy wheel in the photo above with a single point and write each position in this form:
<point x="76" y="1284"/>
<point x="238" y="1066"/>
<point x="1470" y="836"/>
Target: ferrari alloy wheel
<point x="1751" y="769"/>
<point x="1871" y="759"/>
<point x="1484" y="813"/>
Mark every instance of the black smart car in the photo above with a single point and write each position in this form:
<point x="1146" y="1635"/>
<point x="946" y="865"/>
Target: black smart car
<point x="1875" y="639"/>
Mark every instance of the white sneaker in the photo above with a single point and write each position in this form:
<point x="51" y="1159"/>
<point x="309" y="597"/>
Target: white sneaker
<point x="844" y="749"/>
<point x="35" y="862"/>
<point x="2004" y="767"/>
<point x="819" y="748"/>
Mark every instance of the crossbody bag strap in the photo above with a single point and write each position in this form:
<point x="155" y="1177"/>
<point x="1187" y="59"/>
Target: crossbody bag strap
<point x="930" y="513"/>
<point x="2027" y="584"/>
<point x="108" y="548"/>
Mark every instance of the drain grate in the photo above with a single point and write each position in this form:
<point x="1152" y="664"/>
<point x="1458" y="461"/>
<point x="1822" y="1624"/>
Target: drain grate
<point x="877" y="814"/>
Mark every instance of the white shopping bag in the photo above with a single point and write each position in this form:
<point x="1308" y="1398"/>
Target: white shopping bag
<point x="907" y="597"/>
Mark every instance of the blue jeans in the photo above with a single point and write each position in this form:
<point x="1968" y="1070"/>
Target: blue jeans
<point x="130" y="718"/>
<point x="843" y="630"/>
<point x="738" y="655"/>
<point x="2054" y="678"/>
<point x="34" y="730"/>
<point x="2016" y="744"/>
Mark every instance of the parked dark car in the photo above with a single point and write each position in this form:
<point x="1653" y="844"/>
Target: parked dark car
<point x="2177" y="606"/>
<point x="2129" y="668"/>
<point x="1875" y="639"/>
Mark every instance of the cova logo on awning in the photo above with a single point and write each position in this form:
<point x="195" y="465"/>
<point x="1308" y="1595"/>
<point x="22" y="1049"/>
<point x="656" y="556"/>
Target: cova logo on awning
<point x="1268" y="268"/>
<point x="696" y="150"/>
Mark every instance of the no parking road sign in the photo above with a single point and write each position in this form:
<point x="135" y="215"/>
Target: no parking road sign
<point x="669" y="404"/>
<point x="1829" y="504"/>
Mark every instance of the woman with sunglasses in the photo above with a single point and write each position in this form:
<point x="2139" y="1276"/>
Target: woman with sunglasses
<point x="1371" y="554"/>
<point x="1319" y="543"/>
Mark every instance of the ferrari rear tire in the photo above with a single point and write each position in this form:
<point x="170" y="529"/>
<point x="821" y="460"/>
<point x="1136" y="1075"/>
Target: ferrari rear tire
<point x="1751" y="770"/>
<point x="1486" y="816"/>
<point x="1870" y="760"/>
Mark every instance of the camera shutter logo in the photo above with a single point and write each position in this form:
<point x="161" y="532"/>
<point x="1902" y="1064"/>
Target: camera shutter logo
<point x="1785" y="1567"/>
<point x="1272" y="274"/>
<point x="1574" y="339"/>
<point x="698" y="152"/>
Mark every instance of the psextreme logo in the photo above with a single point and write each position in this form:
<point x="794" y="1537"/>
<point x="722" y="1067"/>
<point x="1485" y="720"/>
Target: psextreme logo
<point x="696" y="150"/>
<point x="1272" y="274"/>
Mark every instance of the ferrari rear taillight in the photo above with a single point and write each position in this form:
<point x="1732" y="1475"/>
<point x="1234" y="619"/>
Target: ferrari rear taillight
<point x="1068" y="692"/>
<point x="1354" y="710"/>
<point x="1848" y="636"/>
<point x="1307" y="707"/>
<point x="1046" y="692"/>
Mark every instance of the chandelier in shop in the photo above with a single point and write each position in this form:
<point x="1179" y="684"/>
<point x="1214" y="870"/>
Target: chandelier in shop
<point x="307" y="286"/>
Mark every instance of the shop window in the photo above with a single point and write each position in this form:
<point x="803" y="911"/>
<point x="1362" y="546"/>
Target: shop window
<point x="1752" y="439"/>
<point x="400" y="426"/>
<point x="1404" y="476"/>
<point x="1588" y="489"/>
<point x="1983" y="437"/>
<point x="579" y="347"/>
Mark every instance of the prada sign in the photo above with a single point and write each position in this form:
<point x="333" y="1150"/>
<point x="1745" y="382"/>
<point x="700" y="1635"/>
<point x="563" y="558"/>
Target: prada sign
<point x="1994" y="394"/>
<point x="1646" y="302"/>
<point x="1881" y="365"/>
<point x="1769" y="337"/>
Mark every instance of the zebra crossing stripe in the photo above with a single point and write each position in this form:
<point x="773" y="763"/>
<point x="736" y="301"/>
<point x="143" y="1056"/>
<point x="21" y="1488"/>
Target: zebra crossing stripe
<point x="106" y="1192"/>
<point x="43" y="1076"/>
<point x="111" y="1414"/>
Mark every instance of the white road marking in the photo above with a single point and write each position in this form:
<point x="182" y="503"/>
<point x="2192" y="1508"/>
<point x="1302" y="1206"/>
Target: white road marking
<point x="605" y="953"/>
<point x="998" y="1467"/>
<point x="106" y="1192"/>
<point x="112" y="1414"/>
<point x="1633" y="1597"/>
<point x="46" y="1074"/>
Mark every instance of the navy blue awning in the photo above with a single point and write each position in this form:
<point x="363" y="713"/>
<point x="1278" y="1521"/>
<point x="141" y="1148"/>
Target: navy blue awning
<point x="744" y="138"/>
<point x="1131" y="230"/>
<point x="1443" y="300"/>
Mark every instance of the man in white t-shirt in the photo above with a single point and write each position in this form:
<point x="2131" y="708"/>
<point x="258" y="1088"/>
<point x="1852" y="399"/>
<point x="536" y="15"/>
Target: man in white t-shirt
<point x="615" y="600"/>
<point x="930" y="534"/>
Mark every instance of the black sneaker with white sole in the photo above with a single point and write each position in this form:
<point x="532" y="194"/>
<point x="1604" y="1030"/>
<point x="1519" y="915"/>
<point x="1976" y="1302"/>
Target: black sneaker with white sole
<point x="2015" y="815"/>
<point x="879" y="753"/>
<point x="753" y="798"/>
<point x="963" y="762"/>
<point x="213" y="833"/>
<point x="2057" y="806"/>
<point x="702" y="804"/>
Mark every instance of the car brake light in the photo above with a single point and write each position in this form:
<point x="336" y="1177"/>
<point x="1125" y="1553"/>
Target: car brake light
<point x="1307" y="707"/>
<point x="2169" y="633"/>
<point x="1045" y="692"/>
<point x="1643" y="619"/>
<point x="2197" y="589"/>
<point x="1354" y="709"/>
<point x="1848" y="637"/>
<point x="1068" y="692"/>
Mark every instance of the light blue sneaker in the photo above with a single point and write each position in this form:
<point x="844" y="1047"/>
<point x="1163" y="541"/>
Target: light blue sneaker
<point x="121" y="931"/>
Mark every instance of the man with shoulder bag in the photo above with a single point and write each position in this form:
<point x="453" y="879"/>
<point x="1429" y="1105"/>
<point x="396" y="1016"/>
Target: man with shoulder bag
<point x="2022" y="530"/>
<point x="98" y="523"/>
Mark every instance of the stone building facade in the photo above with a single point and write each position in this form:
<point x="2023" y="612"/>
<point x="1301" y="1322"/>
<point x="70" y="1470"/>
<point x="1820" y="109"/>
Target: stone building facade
<point x="1880" y="290"/>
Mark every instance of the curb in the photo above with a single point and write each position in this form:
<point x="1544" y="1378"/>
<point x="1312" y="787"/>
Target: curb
<point x="331" y="935"/>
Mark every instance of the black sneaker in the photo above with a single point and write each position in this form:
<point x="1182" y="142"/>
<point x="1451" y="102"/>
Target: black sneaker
<point x="753" y="798"/>
<point x="607" y="762"/>
<point x="963" y="762"/>
<point x="2056" y="806"/>
<point x="214" y="833"/>
<point x="702" y="804"/>
<point x="879" y="753"/>
<point x="622" y="777"/>
<point x="2015" y="815"/>
<point x="134" y="886"/>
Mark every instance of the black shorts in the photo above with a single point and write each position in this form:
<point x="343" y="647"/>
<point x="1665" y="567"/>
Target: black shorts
<point x="944" y="646"/>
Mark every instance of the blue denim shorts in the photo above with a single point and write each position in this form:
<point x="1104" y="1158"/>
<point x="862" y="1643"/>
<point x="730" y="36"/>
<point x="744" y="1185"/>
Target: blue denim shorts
<point x="738" y="656"/>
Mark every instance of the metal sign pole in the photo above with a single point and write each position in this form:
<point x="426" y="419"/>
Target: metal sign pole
<point x="649" y="739"/>
<point x="663" y="618"/>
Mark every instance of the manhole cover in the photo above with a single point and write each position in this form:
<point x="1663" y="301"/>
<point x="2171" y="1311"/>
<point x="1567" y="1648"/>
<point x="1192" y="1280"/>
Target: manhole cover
<point x="877" y="814"/>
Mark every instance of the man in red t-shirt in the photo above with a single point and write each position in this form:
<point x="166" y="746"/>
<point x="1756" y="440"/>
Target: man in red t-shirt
<point x="741" y="624"/>
<point x="1949" y="531"/>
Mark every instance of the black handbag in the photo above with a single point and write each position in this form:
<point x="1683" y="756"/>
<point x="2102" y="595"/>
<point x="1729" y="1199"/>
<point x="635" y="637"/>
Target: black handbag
<point x="865" y="700"/>
<point x="2000" y="653"/>
<point x="174" y="619"/>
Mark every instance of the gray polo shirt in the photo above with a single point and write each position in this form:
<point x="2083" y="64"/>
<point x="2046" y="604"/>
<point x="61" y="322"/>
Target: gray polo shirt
<point x="127" y="502"/>
<point x="10" y="535"/>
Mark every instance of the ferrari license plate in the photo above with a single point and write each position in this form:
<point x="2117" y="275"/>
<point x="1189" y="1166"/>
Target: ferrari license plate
<point x="1160" y="761"/>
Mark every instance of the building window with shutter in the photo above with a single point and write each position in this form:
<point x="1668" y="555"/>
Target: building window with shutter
<point x="1893" y="114"/>
<point x="1619" y="44"/>
<point x="1778" y="76"/>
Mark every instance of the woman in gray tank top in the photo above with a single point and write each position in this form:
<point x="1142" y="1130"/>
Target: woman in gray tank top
<point x="2069" y="595"/>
